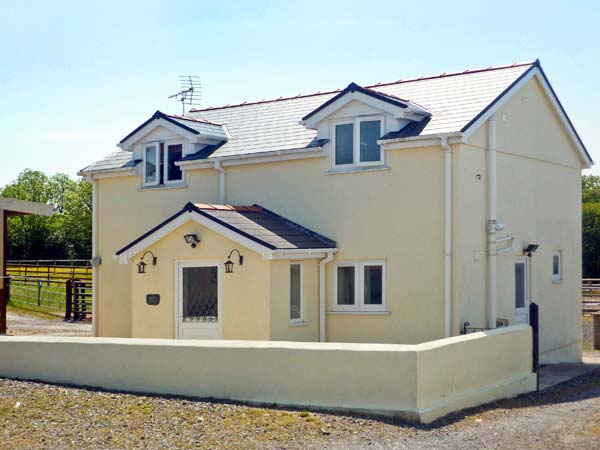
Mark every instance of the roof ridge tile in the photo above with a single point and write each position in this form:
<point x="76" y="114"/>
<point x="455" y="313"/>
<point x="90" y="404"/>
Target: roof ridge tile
<point x="400" y="81"/>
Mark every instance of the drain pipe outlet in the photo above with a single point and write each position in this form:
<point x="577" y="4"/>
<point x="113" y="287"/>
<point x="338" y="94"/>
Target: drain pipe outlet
<point x="322" y="297"/>
<point x="219" y="168"/>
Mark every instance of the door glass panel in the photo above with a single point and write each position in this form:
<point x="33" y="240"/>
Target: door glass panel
<point x="345" y="285"/>
<point x="344" y="144"/>
<point x="373" y="285"/>
<point x="520" y="285"/>
<point x="200" y="294"/>
<point x="370" y="132"/>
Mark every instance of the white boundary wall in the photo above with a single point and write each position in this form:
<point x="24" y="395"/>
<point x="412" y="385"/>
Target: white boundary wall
<point x="417" y="382"/>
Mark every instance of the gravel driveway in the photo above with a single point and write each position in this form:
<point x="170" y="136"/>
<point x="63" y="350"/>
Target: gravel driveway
<point x="26" y="324"/>
<point x="34" y="415"/>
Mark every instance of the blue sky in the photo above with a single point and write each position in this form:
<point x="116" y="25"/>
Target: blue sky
<point x="75" y="77"/>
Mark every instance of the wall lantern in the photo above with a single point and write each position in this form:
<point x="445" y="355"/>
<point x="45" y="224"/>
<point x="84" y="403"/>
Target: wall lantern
<point x="530" y="249"/>
<point x="229" y="262"/>
<point x="191" y="239"/>
<point x="141" y="266"/>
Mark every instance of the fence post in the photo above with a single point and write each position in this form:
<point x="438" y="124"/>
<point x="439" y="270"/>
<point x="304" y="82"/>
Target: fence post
<point x="76" y="300"/>
<point x="39" y="295"/>
<point x="534" y="321"/>
<point x="68" y="299"/>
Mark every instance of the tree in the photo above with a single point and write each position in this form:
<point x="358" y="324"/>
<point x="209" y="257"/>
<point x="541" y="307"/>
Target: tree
<point x="591" y="225"/>
<point x="65" y="235"/>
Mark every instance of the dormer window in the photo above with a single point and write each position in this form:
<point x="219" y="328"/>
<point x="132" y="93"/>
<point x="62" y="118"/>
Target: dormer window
<point x="159" y="163"/>
<point x="355" y="142"/>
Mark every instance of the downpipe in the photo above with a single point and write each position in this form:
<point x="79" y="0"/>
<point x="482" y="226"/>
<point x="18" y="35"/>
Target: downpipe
<point x="492" y="224"/>
<point x="221" y="170"/>
<point x="447" y="236"/>
<point x="322" y="297"/>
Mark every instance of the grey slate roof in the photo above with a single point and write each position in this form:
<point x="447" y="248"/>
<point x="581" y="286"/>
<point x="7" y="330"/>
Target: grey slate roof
<point x="255" y="223"/>
<point x="116" y="160"/>
<point x="454" y="101"/>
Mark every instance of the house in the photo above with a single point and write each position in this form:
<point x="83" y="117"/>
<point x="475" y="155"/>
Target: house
<point x="391" y="213"/>
<point x="13" y="207"/>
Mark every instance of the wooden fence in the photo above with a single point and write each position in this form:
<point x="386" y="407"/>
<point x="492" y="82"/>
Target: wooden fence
<point x="54" y="269"/>
<point x="590" y="292"/>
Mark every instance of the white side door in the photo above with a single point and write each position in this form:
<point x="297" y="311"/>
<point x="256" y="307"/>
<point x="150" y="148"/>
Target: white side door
<point x="198" y="309"/>
<point x="522" y="290"/>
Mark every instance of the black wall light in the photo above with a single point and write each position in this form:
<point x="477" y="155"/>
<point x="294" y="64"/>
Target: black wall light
<point x="141" y="266"/>
<point x="229" y="262"/>
<point x="191" y="239"/>
<point x="530" y="249"/>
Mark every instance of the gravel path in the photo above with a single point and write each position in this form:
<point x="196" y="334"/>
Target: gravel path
<point x="26" y="324"/>
<point x="42" y="416"/>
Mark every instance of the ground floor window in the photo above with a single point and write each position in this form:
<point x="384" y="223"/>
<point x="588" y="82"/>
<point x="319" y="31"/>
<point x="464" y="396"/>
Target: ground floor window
<point x="296" y="292"/>
<point x="556" y="267"/>
<point x="360" y="286"/>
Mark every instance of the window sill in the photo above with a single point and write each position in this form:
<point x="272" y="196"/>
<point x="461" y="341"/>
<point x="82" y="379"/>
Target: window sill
<point x="356" y="312"/>
<point x="298" y="323"/>
<point x="557" y="281"/>
<point x="163" y="186"/>
<point x="335" y="171"/>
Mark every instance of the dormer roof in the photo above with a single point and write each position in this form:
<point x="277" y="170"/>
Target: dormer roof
<point x="187" y="125"/>
<point x="401" y="108"/>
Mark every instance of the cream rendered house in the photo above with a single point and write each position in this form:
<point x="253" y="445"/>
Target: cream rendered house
<point x="391" y="213"/>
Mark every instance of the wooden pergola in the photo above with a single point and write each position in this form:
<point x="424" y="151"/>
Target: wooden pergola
<point x="13" y="207"/>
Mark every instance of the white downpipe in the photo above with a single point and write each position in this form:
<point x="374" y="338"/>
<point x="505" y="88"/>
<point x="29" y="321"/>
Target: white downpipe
<point x="447" y="236"/>
<point x="94" y="255"/>
<point x="323" y="297"/>
<point x="219" y="168"/>
<point x="491" y="224"/>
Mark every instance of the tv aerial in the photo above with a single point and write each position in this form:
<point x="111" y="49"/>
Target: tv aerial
<point x="190" y="93"/>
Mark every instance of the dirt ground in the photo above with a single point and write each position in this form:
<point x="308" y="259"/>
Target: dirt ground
<point x="21" y="323"/>
<point x="43" y="416"/>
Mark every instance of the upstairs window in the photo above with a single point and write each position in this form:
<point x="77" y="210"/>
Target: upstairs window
<point x="159" y="163"/>
<point x="355" y="143"/>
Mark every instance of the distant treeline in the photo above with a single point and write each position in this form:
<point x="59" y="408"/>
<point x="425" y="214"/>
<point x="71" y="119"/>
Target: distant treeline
<point x="591" y="226"/>
<point x="65" y="235"/>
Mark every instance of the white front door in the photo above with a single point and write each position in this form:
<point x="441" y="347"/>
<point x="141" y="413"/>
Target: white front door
<point x="198" y="307"/>
<point x="522" y="290"/>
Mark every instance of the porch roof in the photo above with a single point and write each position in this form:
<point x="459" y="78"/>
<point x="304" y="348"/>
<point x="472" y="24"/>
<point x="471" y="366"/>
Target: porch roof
<point x="253" y="226"/>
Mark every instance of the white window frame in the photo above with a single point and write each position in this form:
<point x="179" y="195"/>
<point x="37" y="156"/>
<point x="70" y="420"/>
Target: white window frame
<point x="145" y="146"/>
<point x="356" y="121"/>
<point x="167" y="144"/>
<point x="165" y="169"/>
<point x="359" y="286"/>
<point x="301" y="318"/>
<point x="557" y="278"/>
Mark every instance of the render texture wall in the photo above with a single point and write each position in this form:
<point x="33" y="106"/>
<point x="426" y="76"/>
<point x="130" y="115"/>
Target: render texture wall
<point x="394" y="215"/>
<point x="255" y="298"/>
<point x="539" y="200"/>
<point x="125" y="211"/>
<point x="311" y="375"/>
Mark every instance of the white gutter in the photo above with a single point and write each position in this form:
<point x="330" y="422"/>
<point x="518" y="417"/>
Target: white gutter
<point x="323" y="297"/>
<point x="447" y="236"/>
<point x="492" y="224"/>
<point x="94" y="256"/>
<point x="221" y="171"/>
